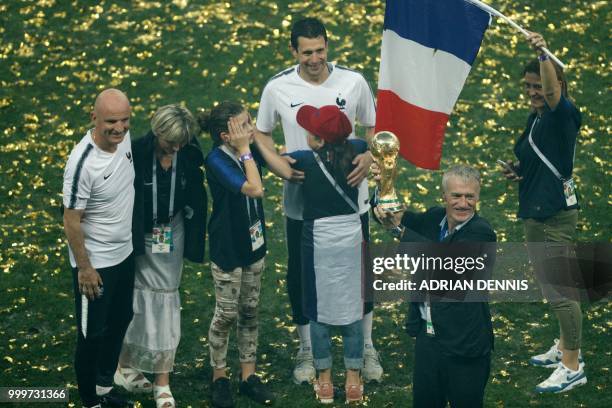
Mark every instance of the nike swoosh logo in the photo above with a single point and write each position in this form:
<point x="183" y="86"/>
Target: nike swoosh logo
<point x="293" y="105"/>
<point x="105" y="177"/>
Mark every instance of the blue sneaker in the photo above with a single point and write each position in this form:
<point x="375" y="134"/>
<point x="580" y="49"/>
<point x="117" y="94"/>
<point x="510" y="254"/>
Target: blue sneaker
<point x="563" y="379"/>
<point x="552" y="358"/>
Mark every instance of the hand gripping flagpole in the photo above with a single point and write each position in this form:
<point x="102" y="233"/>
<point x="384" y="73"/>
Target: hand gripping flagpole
<point x="494" y="12"/>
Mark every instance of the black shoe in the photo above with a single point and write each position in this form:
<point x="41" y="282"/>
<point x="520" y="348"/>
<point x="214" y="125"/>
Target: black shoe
<point x="256" y="390"/>
<point x="222" y="393"/>
<point x="114" y="400"/>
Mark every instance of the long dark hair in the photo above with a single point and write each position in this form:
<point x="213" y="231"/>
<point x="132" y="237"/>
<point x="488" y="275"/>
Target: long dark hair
<point x="338" y="159"/>
<point x="215" y="121"/>
<point x="533" y="67"/>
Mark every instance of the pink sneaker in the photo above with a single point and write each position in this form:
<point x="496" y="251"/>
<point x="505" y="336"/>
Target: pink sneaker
<point x="354" y="392"/>
<point x="324" y="392"/>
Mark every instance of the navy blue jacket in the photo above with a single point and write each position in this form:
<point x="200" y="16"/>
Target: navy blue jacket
<point x="461" y="328"/>
<point x="189" y="167"/>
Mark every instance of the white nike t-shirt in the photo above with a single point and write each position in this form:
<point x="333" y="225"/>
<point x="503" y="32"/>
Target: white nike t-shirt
<point x="102" y="184"/>
<point x="286" y="92"/>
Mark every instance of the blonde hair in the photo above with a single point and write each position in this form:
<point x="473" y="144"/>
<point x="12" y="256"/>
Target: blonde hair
<point x="174" y="124"/>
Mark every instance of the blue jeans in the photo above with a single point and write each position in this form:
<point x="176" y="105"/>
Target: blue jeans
<point x="352" y="339"/>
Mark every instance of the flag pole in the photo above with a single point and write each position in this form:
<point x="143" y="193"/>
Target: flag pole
<point x="491" y="10"/>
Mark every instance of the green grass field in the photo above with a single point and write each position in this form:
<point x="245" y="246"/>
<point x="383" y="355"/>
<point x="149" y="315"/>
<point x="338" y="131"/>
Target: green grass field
<point x="55" y="56"/>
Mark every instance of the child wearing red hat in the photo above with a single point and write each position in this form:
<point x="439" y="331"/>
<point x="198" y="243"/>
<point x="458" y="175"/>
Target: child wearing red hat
<point x="331" y="244"/>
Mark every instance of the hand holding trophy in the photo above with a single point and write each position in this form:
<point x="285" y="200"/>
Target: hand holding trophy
<point x="384" y="149"/>
<point x="388" y="207"/>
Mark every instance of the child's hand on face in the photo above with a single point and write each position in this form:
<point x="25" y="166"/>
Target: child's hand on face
<point x="239" y="138"/>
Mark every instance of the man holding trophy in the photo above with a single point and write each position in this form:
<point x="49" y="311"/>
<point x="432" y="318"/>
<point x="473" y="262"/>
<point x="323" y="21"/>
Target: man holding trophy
<point x="454" y="340"/>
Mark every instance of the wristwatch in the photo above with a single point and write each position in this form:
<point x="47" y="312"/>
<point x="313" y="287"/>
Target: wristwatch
<point x="397" y="231"/>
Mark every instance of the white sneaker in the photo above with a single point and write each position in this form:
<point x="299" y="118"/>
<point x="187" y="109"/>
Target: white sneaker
<point x="563" y="379"/>
<point x="372" y="370"/>
<point x="304" y="370"/>
<point x="551" y="358"/>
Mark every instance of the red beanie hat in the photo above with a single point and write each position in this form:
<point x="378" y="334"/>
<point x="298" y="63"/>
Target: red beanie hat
<point x="328" y="122"/>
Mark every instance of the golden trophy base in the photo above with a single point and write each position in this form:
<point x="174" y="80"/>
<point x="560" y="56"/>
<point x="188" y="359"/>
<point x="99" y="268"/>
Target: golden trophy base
<point x="391" y="205"/>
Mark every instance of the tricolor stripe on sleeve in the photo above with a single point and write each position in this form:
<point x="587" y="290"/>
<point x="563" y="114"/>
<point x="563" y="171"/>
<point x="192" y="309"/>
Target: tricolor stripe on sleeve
<point x="77" y="176"/>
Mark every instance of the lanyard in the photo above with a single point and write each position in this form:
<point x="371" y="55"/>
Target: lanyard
<point x="227" y="151"/>
<point x="334" y="183"/>
<point x="248" y="206"/>
<point x="172" y="188"/>
<point x="541" y="155"/>
<point x="429" y="328"/>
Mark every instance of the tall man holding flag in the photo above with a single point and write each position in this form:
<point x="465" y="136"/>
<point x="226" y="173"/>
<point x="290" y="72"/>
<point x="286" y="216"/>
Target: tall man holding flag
<point x="316" y="82"/>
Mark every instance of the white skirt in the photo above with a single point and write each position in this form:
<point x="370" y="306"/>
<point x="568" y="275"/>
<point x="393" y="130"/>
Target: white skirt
<point x="331" y="269"/>
<point x="153" y="335"/>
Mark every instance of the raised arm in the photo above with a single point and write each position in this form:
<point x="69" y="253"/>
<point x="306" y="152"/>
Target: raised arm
<point x="265" y="139"/>
<point x="551" y="86"/>
<point x="276" y="163"/>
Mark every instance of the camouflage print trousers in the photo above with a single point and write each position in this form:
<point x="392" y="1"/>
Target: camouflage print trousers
<point x="237" y="297"/>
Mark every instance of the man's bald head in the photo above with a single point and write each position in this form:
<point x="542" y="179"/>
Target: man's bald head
<point x="111" y="116"/>
<point x="110" y="97"/>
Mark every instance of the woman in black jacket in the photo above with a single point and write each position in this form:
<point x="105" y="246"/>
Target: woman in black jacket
<point x="169" y="224"/>
<point x="549" y="208"/>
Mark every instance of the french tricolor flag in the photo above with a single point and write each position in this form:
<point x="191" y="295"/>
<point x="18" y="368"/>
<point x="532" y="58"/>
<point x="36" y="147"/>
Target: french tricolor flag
<point x="428" y="48"/>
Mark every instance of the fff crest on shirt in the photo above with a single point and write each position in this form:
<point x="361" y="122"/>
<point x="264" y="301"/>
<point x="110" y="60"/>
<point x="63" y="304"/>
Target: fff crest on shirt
<point x="340" y="102"/>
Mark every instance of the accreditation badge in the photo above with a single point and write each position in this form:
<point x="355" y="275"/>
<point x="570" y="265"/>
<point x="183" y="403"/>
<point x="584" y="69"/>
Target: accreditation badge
<point x="429" y="329"/>
<point x="161" y="240"/>
<point x="569" y="191"/>
<point x="257" y="237"/>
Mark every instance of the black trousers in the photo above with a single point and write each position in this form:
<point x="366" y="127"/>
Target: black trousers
<point x="108" y="317"/>
<point x="293" y="229"/>
<point x="438" y="378"/>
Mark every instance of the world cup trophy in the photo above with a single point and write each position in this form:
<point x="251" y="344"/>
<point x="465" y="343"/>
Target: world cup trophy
<point x="385" y="148"/>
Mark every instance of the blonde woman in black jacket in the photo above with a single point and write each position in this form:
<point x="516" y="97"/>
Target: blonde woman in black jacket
<point x="169" y="224"/>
